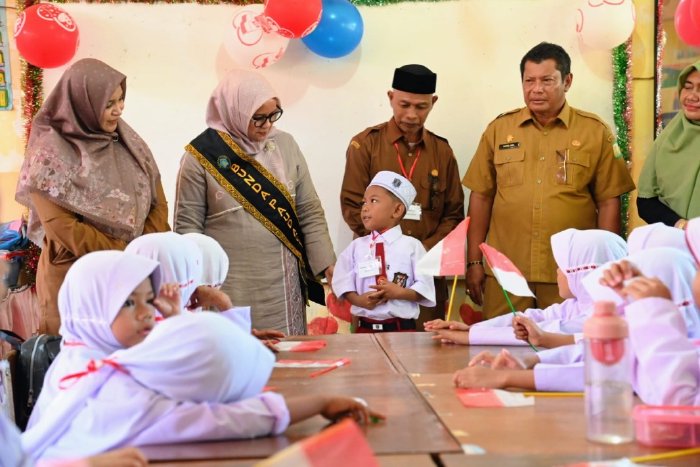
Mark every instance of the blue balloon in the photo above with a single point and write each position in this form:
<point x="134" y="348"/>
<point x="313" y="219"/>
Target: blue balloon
<point x="339" y="32"/>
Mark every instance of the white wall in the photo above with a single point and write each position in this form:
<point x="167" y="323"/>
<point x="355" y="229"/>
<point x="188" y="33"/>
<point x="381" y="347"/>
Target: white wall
<point x="173" y="57"/>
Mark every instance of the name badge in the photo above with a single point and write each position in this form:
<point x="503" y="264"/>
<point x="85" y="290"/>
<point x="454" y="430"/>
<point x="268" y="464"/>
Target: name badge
<point x="509" y="145"/>
<point x="369" y="268"/>
<point x="414" y="212"/>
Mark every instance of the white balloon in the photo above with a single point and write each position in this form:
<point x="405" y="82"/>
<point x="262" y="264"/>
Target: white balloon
<point x="604" y="24"/>
<point x="252" y="41"/>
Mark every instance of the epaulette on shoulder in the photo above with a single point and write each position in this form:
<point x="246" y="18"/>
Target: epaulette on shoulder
<point x="590" y="115"/>
<point x="508" y="113"/>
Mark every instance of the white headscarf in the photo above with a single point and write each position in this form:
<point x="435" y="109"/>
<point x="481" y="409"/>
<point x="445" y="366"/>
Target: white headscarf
<point x="656" y="235"/>
<point x="675" y="269"/>
<point x="180" y="259"/>
<point x="214" y="259"/>
<point x="692" y="238"/>
<point x="93" y="292"/>
<point x="187" y="358"/>
<point x="577" y="253"/>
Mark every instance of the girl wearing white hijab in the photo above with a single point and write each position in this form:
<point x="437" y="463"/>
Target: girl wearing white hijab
<point x="103" y="307"/>
<point x="196" y="377"/>
<point x="12" y="454"/>
<point x="561" y="369"/>
<point x="180" y="260"/>
<point x="577" y="253"/>
<point x="667" y="362"/>
<point x="214" y="270"/>
<point x="656" y="235"/>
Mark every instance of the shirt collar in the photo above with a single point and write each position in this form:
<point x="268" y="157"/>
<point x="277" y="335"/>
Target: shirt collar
<point x="564" y="116"/>
<point x="394" y="133"/>
<point x="391" y="235"/>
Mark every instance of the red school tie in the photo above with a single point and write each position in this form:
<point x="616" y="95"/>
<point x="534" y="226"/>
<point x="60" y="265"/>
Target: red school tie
<point x="379" y="253"/>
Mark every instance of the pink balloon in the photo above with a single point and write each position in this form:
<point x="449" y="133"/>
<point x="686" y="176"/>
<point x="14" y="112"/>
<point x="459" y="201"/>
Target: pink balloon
<point x="250" y="41"/>
<point x="686" y="29"/>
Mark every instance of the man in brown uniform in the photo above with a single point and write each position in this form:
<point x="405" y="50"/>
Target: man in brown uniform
<point x="539" y="170"/>
<point x="404" y="146"/>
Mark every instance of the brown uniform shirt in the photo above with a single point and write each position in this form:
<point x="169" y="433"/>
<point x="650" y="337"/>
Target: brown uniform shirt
<point x="435" y="177"/>
<point x="538" y="192"/>
<point x="66" y="239"/>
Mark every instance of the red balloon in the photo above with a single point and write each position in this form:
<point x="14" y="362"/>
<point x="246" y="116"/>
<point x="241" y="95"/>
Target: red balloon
<point x="695" y="12"/>
<point x="686" y="29"/>
<point x="46" y="35"/>
<point x="293" y="18"/>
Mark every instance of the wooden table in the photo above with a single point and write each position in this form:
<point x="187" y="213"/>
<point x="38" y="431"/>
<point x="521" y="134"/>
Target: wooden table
<point x="408" y="377"/>
<point x="371" y="375"/>
<point x="418" y="352"/>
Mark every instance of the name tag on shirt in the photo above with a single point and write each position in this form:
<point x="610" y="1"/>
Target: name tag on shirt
<point x="369" y="268"/>
<point x="415" y="211"/>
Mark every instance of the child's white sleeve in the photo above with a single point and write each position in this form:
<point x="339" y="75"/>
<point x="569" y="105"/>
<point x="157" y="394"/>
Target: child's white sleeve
<point x="422" y="284"/>
<point x="667" y="369"/>
<point x="566" y="378"/>
<point x="344" y="273"/>
<point x="240" y="315"/>
<point x="265" y="414"/>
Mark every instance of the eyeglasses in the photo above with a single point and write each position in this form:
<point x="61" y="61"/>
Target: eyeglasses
<point x="259" y="120"/>
<point x="562" y="157"/>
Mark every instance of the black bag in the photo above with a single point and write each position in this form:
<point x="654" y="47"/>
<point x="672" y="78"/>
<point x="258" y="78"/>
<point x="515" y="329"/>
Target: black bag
<point x="34" y="358"/>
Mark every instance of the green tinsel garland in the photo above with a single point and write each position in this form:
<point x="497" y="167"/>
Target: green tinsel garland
<point x="622" y="114"/>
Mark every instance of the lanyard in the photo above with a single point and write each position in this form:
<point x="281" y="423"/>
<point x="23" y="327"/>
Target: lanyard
<point x="408" y="175"/>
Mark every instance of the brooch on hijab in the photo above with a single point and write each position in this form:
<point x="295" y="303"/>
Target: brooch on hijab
<point x="270" y="146"/>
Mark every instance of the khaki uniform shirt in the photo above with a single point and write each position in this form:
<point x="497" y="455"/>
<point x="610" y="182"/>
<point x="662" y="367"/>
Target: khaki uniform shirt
<point x="544" y="180"/>
<point x="435" y="177"/>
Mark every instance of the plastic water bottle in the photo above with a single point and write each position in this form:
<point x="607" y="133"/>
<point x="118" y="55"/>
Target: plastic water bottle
<point x="608" y="393"/>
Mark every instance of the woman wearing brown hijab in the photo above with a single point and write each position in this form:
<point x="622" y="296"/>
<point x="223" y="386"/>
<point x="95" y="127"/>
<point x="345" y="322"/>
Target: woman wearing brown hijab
<point x="89" y="180"/>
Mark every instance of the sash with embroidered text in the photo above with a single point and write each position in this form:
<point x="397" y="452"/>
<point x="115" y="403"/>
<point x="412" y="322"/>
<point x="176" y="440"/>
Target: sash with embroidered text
<point x="260" y="194"/>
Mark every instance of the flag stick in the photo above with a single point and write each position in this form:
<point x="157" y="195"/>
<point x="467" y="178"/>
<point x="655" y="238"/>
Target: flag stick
<point x="452" y="299"/>
<point x="512" y="308"/>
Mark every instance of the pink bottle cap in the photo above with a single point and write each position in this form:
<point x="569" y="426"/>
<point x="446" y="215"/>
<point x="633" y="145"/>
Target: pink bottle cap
<point x="605" y="331"/>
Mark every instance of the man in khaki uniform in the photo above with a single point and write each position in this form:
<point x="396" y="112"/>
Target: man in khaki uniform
<point x="537" y="171"/>
<point x="404" y="146"/>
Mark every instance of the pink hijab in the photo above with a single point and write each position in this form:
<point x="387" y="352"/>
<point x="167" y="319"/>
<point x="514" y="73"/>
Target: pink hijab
<point x="108" y="178"/>
<point x="234" y="101"/>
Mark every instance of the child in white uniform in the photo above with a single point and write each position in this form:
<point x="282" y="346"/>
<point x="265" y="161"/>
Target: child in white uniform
<point x="377" y="273"/>
<point x="196" y="377"/>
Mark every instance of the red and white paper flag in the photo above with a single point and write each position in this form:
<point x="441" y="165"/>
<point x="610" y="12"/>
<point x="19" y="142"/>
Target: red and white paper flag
<point x="509" y="276"/>
<point x="447" y="257"/>
<point x="342" y="445"/>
